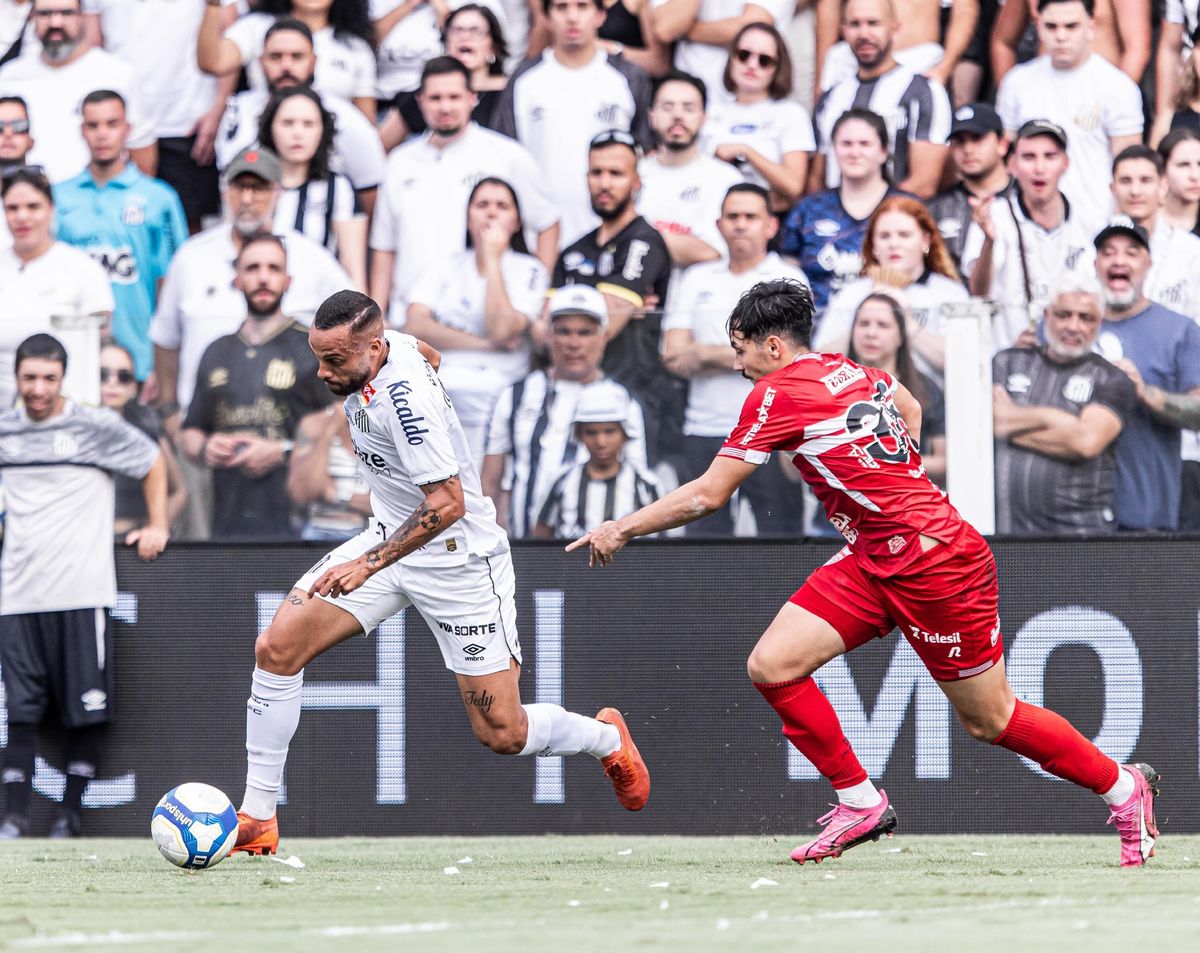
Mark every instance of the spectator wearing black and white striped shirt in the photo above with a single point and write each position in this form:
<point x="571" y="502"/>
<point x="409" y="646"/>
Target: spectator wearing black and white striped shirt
<point x="606" y="486"/>
<point x="916" y="109"/>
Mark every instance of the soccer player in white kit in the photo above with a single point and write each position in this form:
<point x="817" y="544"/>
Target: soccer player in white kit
<point x="433" y="543"/>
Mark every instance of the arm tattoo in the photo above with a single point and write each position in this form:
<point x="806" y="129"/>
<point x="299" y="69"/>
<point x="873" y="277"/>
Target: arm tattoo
<point x="1181" y="410"/>
<point x="421" y="526"/>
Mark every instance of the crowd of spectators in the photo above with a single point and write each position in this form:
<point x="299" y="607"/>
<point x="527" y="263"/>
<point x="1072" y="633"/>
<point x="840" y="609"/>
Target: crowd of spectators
<point x="566" y="197"/>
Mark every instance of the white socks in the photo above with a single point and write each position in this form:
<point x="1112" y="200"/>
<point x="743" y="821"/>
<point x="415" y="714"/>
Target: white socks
<point x="859" y="795"/>
<point x="272" y="714"/>
<point x="554" y="730"/>
<point x="1120" y="792"/>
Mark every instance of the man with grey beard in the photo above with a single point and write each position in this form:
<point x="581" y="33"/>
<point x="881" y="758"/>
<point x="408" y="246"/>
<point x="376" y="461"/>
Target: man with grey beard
<point x="1058" y="409"/>
<point x="1159" y="350"/>
<point x="53" y="82"/>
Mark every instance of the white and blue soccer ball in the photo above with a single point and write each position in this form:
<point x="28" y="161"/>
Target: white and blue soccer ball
<point x="194" y="825"/>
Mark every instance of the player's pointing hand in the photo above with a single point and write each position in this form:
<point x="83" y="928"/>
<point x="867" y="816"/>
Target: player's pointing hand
<point x="604" y="542"/>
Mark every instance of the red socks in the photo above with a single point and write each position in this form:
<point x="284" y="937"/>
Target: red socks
<point x="1051" y="741"/>
<point x="812" y="726"/>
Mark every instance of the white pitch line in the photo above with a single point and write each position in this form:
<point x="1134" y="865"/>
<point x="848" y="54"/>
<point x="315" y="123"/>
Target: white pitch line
<point x="386" y="929"/>
<point x="111" y="938"/>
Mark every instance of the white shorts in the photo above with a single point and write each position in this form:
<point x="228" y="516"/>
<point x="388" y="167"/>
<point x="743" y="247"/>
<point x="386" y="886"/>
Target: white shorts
<point x="469" y="606"/>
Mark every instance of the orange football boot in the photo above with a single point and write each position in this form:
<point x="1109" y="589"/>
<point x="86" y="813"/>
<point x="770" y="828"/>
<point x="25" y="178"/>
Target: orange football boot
<point x="625" y="767"/>
<point x="256" y="837"/>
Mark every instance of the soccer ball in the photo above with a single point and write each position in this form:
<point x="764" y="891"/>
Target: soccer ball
<point x="194" y="825"/>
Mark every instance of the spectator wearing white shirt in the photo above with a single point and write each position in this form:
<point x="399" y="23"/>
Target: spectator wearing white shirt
<point x="1138" y="187"/>
<point x="476" y="308"/>
<point x="289" y="59"/>
<point x="316" y="201"/>
<point x="42" y="279"/>
<point x="903" y="249"/>
<point x="341" y="36"/>
<point x="407" y="36"/>
<point x="15" y="143"/>
<point x="53" y="83"/>
<point x="703" y="29"/>
<point x="183" y="104"/>
<point x="696" y="347"/>
<point x="915" y="109"/>
<point x="419" y="220"/>
<point x="1021" y="244"/>
<point x="557" y="104"/>
<point x="682" y="187"/>
<point x="764" y="134"/>
<point x="1098" y="106"/>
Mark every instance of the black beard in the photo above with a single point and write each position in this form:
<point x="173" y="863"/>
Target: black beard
<point x="263" y="312"/>
<point x="348" y="388"/>
<point x="447" y="133"/>
<point x="612" y="214"/>
<point x="679" y="146"/>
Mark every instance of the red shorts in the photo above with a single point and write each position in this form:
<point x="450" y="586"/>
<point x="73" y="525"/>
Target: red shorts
<point x="945" y="604"/>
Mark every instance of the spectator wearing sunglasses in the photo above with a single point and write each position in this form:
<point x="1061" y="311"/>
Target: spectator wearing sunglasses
<point x="119" y="391"/>
<point x="41" y="278"/>
<point x="130" y="223"/>
<point x="763" y="134"/>
<point x="15" y="143"/>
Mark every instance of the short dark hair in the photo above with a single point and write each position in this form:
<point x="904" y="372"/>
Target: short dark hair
<point x="495" y="31"/>
<point x="443" y="66"/>
<point x="1089" y="6"/>
<point x="30" y="175"/>
<point x="748" y="187"/>
<point x="347" y="307"/>
<point x="18" y="101"/>
<point x="1174" y="138"/>
<point x="318" y="165"/>
<point x="288" y="23"/>
<point x="679" y="76"/>
<point x="546" y="5"/>
<point x="44" y="347"/>
<point x="783" y="308"/>
<point x="1139" y="151"/>
<point x="102" y="96"/>
<point x="872" y="119"/>
<point x="780" y="86"/>
<point x="261" y="237"/>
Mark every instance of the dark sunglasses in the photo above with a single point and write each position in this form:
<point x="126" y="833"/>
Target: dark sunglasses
<point x="15" y="126"/>
<point x="123" y="376"/>
<point x="30" y="170"/>
<point x="764" y="61"/>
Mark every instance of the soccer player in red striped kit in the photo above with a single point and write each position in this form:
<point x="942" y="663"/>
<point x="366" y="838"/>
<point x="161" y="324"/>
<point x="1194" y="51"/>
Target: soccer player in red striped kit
<point x="911" y="562"/>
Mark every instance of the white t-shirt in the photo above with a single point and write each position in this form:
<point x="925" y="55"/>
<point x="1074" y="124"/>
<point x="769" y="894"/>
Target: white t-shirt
<point x="55" y="96"/>
<point x="64" y="282"/>
<point x="312" y="208"/>
<point x="707" y="295"/>
<point x="686" y="199"/>
<point x="421" y="213"/>
<point x="1187" y="14"/>
<point x="16" y="22"/>
<point x="772" y="128"/>
<point x="455" y="292"/>
<point x="1094" y="103"/>
<point x="357" y="149"/>
<point x="345" y="64"/>
<point x="175" y="93"/>
<point x="408" y="437"/>
<point x="1049" y="257"/>
<point x="198" y="302"/>
<point x="409" y="45"/>
<point x="1174" y="279"/>
<point x="555" y="112"/>
<point x="708" y="61"/>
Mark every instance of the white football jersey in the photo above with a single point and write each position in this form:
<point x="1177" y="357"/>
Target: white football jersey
<point x="406" y="435"/>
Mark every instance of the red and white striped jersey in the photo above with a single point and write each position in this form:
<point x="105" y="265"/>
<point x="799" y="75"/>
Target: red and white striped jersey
<point x="849" y="442"/>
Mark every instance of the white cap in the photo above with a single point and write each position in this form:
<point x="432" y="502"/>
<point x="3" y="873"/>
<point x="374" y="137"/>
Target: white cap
<point x="605" y="402"/>
<point x="579" y="299"/>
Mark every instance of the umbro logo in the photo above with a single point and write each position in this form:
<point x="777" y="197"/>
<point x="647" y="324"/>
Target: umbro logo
<point x="473" y="649"/>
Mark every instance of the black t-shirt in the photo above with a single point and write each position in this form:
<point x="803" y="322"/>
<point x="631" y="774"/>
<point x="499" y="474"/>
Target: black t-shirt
<point x="130" y="500"/>
<point x="952" y="212"/>
<point x="1038" y="493"/>
<point x="264" y="390"/>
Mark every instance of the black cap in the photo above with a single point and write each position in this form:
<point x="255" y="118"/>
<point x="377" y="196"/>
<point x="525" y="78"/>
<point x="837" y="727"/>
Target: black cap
<point x="979" y="118"/>
<point x="1043" y="127"/>
<point x="1122" y="225"/>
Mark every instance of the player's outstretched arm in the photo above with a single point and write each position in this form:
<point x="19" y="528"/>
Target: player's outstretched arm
<point x="686" y="504"/>
<point x="442" y="507"/>
<point x="151" y="539"/>
<point x="910" y="411"/>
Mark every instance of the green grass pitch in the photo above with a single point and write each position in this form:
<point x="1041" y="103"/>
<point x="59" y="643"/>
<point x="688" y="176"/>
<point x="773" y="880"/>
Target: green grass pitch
<point x="583" y="894"/>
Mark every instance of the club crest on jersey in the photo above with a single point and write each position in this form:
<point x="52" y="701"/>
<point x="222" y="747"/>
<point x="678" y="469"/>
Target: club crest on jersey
<point x="361" y="420"/>
<point x="842" y="378"/>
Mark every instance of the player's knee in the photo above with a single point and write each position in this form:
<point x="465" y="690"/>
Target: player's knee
<point x="767" y="667"/>
<point x="275" y="654"/>
<point x="982" y="726"/>
<point x="502" y="739"/>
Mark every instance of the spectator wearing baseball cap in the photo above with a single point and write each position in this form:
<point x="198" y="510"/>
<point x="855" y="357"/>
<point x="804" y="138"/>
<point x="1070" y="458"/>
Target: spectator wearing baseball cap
<point x="605" y="486"/>
<point x="1098" y="106"/>
<point x="531" y="437"/>
<point x="979" y="150"/>
<point x="1023" y="242"/>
